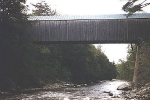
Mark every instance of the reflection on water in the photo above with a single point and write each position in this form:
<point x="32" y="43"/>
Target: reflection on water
<point x="95" y="92"/>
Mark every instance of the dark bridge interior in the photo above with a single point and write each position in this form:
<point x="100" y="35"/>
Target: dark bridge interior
<point x="115" y="28"/>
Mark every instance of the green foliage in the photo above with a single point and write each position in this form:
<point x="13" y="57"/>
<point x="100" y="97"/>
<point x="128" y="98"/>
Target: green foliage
<point x="108" y="69"/>
<point x="79" y="63"/>
<point x="48" y="67"/>
<point x="132" y="6"/>
<point x="15" y="48"/>
<point x="144" y="69"/>
<point x="126" y="68"/>
<point x="43" y="9"/>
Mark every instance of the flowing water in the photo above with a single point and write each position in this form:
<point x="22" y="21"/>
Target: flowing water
<point x="93" y="92"/>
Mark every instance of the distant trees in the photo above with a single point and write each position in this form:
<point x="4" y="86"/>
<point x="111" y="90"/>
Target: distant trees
<point x="78" y="63"/>
<point x="126" y="68"/>
<point x="86" y="63"/>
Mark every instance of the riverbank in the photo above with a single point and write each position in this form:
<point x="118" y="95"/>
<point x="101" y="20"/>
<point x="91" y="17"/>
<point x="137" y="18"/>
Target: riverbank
<point x="142" y="93"/>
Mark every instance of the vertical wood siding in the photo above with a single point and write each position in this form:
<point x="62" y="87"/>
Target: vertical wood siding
<point x="91" y="31"/>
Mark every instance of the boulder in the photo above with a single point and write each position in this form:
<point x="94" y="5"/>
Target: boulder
<point x="124" y="87"/>
<point x="110" y="94"/>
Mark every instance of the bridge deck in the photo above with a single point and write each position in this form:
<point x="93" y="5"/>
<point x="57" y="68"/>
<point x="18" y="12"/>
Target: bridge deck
<point x="90" y="29"/>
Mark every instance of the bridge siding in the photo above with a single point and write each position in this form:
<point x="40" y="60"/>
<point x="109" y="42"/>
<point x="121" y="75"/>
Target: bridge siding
<point x="94" y="31"/>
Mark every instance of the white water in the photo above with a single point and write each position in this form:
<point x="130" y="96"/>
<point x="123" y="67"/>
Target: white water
<point x="94" y="92"/>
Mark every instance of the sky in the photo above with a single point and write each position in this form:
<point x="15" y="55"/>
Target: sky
<point x="114" y="52"/>
<point x="86" y="7"/>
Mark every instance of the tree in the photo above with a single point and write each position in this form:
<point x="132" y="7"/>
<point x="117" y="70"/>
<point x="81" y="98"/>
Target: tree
<point x="14" y="59"/>
<point x="49" y="68"/>
<point x="144" y="64"/>
<point x="131" y="6"/>
<point x="43" y="9"/>
<point x="126" y="68"/>
<point x="86" y="63"/>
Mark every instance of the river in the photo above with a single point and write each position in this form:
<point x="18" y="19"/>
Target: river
<point x="92" y="92"/>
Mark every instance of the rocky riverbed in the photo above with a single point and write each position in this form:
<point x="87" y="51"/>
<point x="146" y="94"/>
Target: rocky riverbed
<point x="104" y="90"/>
<point x="142" y="93"/>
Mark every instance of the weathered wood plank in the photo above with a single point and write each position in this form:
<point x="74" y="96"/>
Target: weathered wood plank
<point x="92" y="30"/>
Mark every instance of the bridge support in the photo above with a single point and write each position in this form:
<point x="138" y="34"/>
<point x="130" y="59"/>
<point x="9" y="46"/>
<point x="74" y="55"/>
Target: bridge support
<point x="136" y="67"/>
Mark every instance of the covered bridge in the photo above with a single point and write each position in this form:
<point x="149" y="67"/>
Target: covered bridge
<point x="116" y="28"/>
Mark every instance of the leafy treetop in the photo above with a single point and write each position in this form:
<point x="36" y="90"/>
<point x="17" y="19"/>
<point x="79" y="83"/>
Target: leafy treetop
<point x="43" y="9"/>
<point x="12" y="10"/>
<point x="133" y="6"/>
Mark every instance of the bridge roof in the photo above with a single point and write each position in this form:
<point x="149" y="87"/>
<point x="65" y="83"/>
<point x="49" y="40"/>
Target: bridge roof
<point x="91" y="17"/>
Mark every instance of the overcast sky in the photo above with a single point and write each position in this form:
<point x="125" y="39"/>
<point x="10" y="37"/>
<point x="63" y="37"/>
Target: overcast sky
<point x="84" y="6"/>
<point x="93" y="7"/>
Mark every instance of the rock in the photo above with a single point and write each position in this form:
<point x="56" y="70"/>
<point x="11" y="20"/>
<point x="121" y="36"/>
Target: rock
<point x="106" y="91"/>
<point x="124" y="87"/>
<point x="116" y="97"/>
<point x="83" y="84"/>
<point x="134" y="91"/>
<point x="110" y="94"/>
<point x="142" y="93"/>
<point x="114" y="79"/>
<point x="4" y="93"/>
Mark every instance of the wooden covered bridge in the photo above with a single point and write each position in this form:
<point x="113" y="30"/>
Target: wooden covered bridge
<point x="116" y="28"/>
